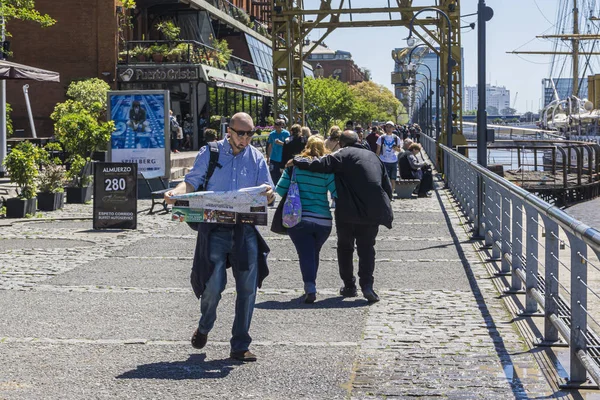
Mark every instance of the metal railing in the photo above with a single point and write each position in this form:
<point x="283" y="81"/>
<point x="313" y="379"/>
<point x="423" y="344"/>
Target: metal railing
<point x="545" y="252"/>
<point x="190" y="52"/>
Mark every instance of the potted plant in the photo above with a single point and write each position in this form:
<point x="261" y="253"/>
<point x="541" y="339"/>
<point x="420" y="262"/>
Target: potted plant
<point x="81" y="129"/>
<point x="79" y="178"/>
<point x="51" y="179"/>
<point x="139" y="53"/>
<point x="22" y="166"/>
<point x="158" y="52"/>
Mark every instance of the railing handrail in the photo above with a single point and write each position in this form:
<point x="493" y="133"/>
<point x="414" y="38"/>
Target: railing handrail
<point x="568" y="223"/>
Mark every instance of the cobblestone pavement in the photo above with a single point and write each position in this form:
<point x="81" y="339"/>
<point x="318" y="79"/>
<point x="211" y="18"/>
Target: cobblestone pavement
<point x="109" y="314"/>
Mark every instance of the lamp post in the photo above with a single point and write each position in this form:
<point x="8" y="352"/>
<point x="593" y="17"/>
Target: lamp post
<point x="428" y="102"/>
<point x="423" y="100"/>
<point x="318" y="71"/>
<point x="437" y="102"/>
<point x="410" y="41"/>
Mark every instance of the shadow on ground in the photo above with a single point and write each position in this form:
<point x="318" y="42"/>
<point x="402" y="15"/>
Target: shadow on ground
<point x="297" y="303"/>
<point x="195" y="367"/>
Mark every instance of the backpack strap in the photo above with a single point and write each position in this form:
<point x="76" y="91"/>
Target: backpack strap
<point x="213" y="163"/>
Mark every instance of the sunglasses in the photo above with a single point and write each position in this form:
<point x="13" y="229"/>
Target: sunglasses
<point x="242" y="133"/>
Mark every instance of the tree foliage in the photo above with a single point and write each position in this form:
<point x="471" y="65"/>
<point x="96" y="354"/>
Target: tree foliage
<point x="327" y="99"/>
<point x="508" y="111"/>
<point x="374" y="102"/>
<point x="24" y="10"/>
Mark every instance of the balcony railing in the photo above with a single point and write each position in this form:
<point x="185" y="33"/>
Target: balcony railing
<point x="190" y="52"/>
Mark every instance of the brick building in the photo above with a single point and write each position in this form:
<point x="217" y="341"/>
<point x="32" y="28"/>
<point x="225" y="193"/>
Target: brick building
<point x="84" y="43"/>
<point x="335" y="63"/>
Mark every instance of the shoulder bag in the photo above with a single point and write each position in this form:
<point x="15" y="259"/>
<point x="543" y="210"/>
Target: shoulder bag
<point x="292" y="207"/>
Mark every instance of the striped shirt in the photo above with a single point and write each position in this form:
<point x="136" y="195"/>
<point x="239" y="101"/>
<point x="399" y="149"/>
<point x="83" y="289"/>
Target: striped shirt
<point x="313" y="194"/>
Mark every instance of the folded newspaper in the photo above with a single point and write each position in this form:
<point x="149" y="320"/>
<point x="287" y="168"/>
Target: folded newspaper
<point x="245" y="206"/>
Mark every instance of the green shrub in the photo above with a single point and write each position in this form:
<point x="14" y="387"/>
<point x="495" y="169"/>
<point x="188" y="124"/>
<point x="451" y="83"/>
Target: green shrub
<point x="22" y="165"/>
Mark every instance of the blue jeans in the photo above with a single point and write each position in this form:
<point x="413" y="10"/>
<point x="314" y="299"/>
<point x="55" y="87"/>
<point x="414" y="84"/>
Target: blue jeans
<point x="308" y="238"/>
<point x="221" y="246"/>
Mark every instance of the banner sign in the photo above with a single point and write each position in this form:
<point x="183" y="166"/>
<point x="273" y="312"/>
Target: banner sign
<point x="115" y="196"/>
<point x="244" y="206"/>
<point x="142" y="133"/>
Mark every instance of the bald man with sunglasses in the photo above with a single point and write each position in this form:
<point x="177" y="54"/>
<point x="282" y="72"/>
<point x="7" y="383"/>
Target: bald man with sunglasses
<point x="240" y="166"/>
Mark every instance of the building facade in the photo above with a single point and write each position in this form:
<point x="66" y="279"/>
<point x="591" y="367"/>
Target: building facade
<point x="334" y="63"/>
<point x="203" y="79"/>
<point x="496" y="96"/>
<point x="564" y="89"/>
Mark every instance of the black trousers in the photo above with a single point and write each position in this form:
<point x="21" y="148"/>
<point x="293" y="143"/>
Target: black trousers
<point x="365" y="237"/>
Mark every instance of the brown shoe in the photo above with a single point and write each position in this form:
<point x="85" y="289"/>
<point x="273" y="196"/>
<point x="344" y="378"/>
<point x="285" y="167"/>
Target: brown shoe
<point x="199" y="339"/>
<point x="244" y="356"/>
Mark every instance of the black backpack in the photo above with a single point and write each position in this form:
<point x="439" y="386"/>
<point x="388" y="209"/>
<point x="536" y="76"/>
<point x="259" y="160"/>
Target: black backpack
<point x="213" y="163"/>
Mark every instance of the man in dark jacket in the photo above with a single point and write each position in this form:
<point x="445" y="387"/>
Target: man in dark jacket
<point x="363" y="203"/>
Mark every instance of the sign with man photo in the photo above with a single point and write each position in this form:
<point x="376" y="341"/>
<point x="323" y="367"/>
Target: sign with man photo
<point x="142" y="131"/>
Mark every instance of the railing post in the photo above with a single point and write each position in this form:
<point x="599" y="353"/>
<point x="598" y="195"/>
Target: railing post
<point x="577" y="373"/>
<point x="516" y="284"/>
<point x="551" y="278"/>
<point x="488" y="212"/>
<point x="496" y="222"/>
<point x="531" y="306"/>
<point x="506" y="232"/>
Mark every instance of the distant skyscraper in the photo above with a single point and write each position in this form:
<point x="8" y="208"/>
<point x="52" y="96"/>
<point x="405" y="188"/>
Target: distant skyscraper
<point x="564" y="88"/>
<point x="495" y="96"/>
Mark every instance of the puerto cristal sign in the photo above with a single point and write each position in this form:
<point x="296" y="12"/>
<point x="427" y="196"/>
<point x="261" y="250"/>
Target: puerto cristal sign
<point x="137" y="74"/>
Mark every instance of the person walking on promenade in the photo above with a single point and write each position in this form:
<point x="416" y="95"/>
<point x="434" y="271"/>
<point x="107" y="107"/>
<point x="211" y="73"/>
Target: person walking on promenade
<point x="293" y="145"/>
<point x="387" y="146"/>
<point x="240" y="165"/>
<point x="332" y="143"/>
<point x="372" y="139"/>
<point x="275" y="149"/>
<point x="315" y="226"/>
<point x="363" y="203"/>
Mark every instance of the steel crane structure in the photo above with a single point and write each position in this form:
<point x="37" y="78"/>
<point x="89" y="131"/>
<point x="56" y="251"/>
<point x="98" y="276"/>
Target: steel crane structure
<point x="292" y="22"/>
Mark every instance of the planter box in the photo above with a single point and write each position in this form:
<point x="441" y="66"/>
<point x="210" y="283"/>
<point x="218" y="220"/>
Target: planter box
<point x="50" y="201"/>
<point x="19" y="208"/>
<point x="77" y="195"/>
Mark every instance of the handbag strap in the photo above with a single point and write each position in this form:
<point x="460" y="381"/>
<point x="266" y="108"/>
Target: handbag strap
<point x="293" y="177"/>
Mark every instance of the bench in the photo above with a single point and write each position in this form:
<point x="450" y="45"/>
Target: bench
<point x="157" y="196"/>
<point x="406" y="187"/>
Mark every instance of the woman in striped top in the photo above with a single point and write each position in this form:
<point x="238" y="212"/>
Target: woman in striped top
<point x="313" y="230"/>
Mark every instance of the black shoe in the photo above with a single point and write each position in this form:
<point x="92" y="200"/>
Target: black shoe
<point x="310" y="298"/>
<point x="370" y="295"/>
<point x="348" y="291"/>
<point x="199" y="339"/>
<point x="244" y="356"/>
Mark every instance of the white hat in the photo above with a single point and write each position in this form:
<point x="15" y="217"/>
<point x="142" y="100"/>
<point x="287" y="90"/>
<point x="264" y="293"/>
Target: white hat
<point x="390" y="123"/>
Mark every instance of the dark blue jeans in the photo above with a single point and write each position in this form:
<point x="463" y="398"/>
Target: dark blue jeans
<point x="221" y="245"/>
<point x="308" y="238"/>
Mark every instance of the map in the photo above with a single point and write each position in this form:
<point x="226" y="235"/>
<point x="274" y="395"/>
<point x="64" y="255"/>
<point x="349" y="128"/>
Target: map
<point x="245" y="206"/>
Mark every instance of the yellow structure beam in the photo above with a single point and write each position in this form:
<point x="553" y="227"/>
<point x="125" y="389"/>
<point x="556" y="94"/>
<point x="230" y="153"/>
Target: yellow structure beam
<point x="291" y="27"/>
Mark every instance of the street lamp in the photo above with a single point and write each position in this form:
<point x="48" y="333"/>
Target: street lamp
<point x="427" y="104"/>
<point x="318" y="71"/>
<point x="423" y="99"/>
<point x="410" y="40"/>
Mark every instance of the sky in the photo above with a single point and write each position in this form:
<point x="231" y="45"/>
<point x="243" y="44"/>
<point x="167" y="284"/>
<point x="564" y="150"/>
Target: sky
<point x="514" y="25"/>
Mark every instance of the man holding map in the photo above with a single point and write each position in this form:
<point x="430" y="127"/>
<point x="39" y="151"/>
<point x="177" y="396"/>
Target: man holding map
<point x="239" y="166"/>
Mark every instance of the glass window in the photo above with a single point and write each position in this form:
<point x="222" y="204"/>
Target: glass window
<point x="262" y="58"/>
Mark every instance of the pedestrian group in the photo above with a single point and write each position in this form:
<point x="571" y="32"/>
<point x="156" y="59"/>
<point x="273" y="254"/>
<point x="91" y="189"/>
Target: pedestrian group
<point x="358" y="173"/>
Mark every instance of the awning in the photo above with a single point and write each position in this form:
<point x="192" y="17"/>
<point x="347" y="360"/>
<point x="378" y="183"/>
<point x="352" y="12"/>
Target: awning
<point x="243" y="87"/>
<point x="229" y="80"/>
<point x="10" y="70"/>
